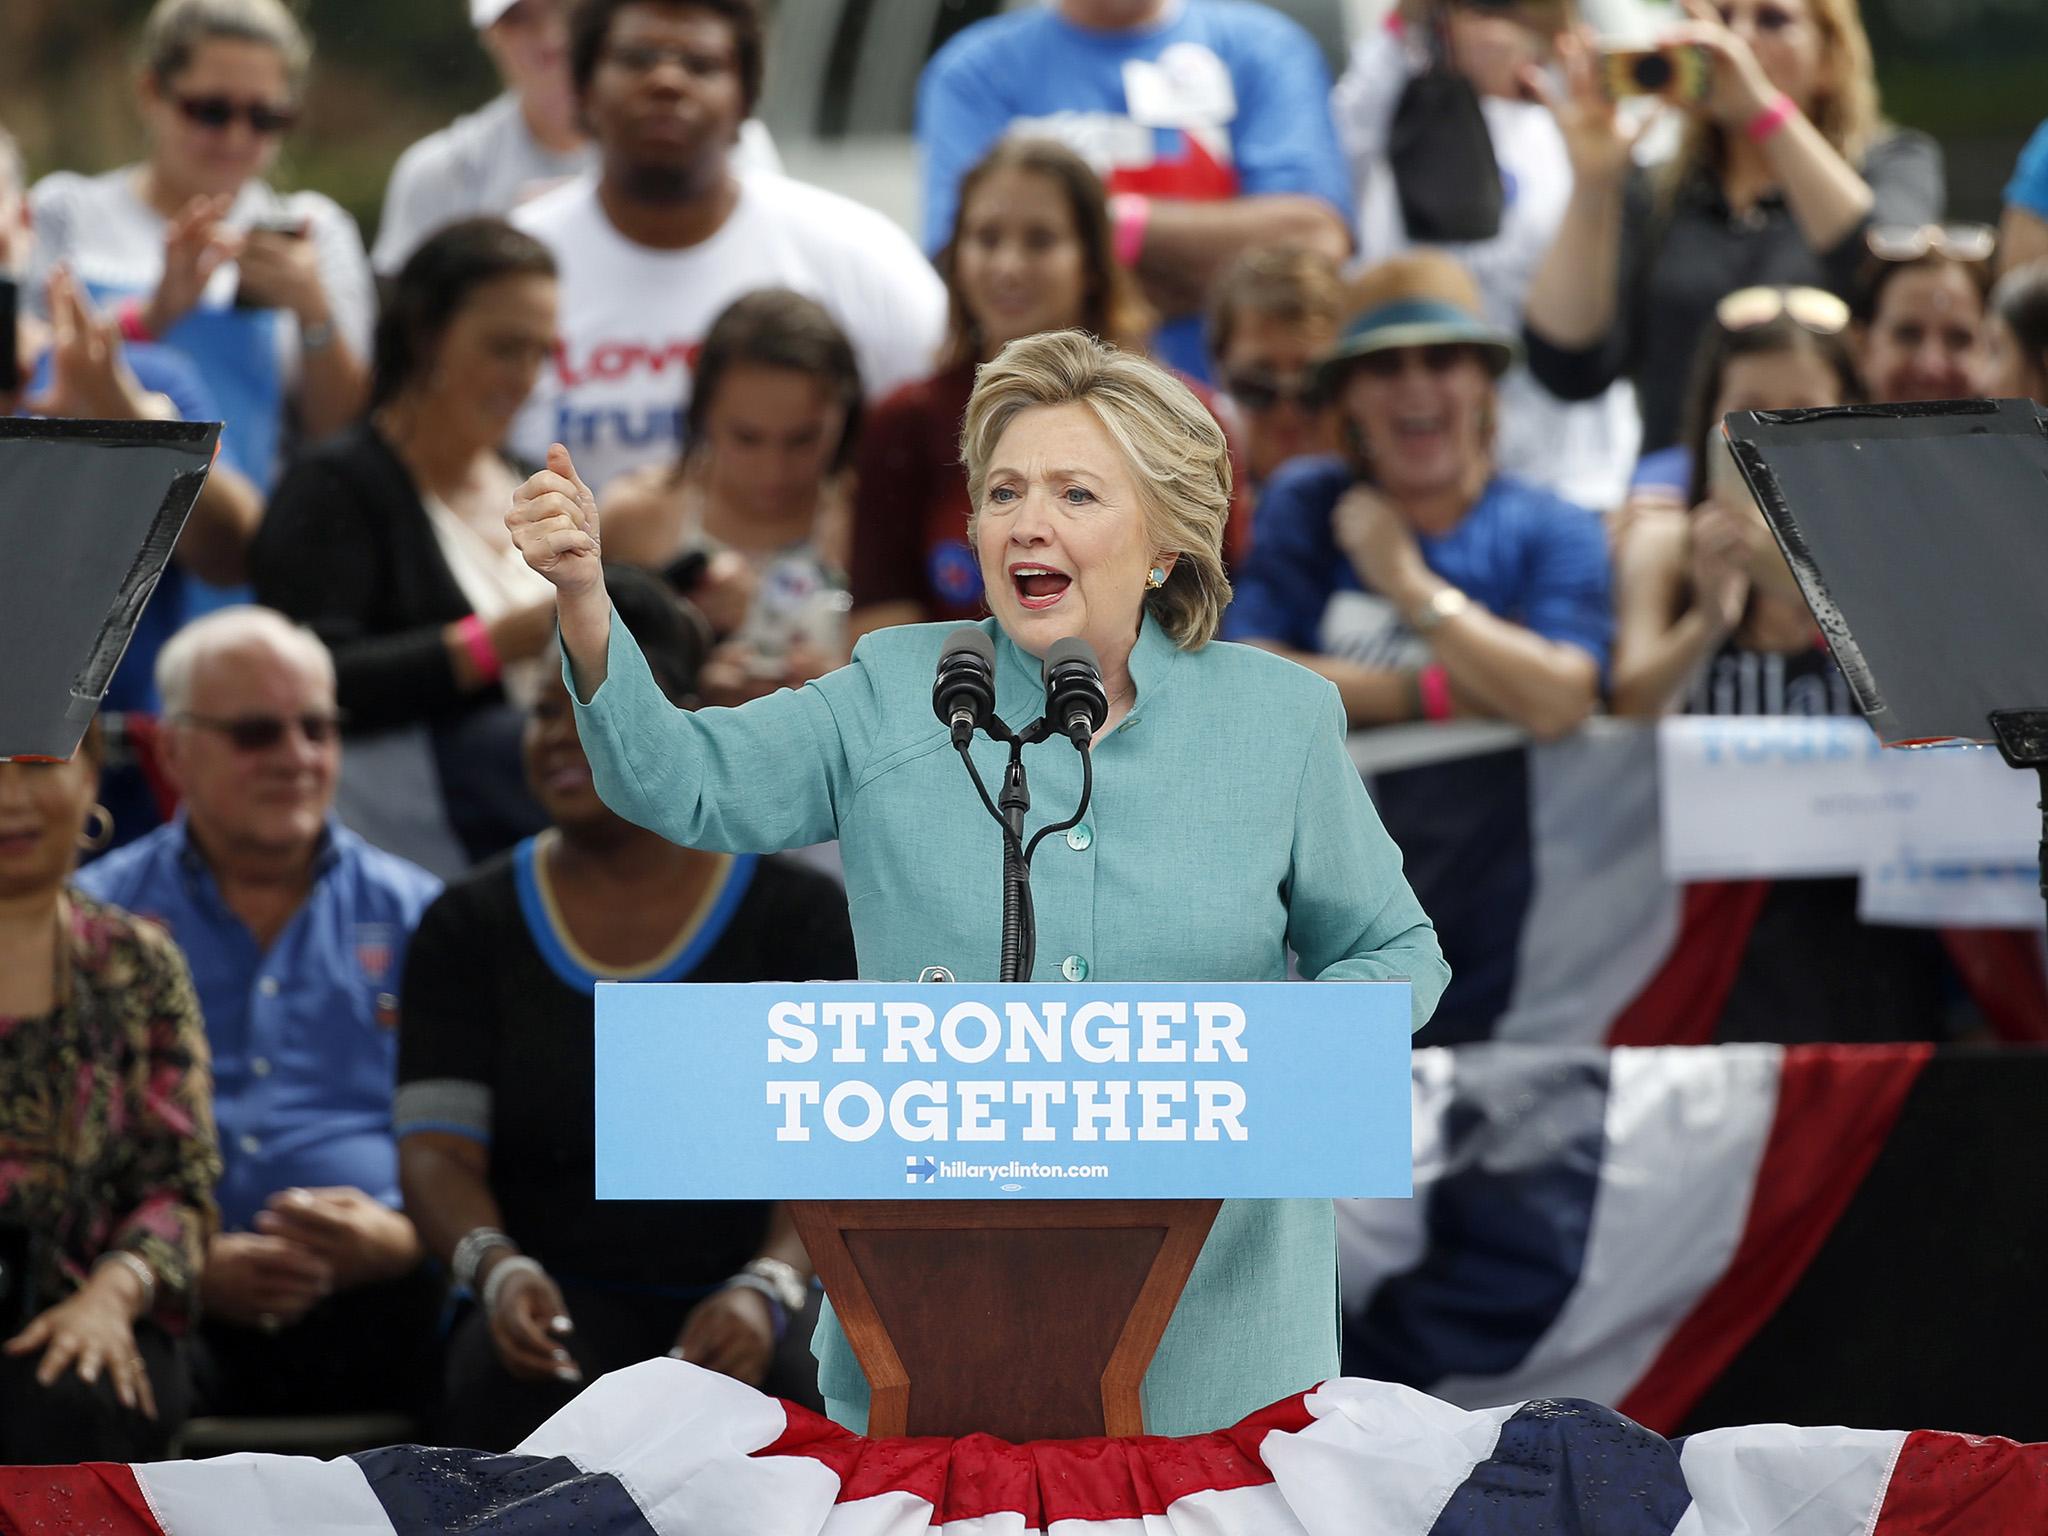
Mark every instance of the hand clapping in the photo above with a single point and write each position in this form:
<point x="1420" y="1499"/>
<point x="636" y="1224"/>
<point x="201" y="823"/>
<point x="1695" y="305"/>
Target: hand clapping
<point x="554" y="526"/>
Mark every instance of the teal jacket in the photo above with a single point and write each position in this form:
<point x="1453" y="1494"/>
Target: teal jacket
<point x="1227" y="827"/>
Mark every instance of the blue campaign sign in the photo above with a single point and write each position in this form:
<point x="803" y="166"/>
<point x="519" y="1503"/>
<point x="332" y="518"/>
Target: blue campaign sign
<point x="881" y="1091"/>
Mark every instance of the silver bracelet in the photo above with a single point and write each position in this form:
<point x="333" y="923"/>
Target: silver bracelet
<point x="502" y="1271"/>
<point x="786" y="1285"/>
<point x="136" y="1266"/>
<point x="469" y="1254"/>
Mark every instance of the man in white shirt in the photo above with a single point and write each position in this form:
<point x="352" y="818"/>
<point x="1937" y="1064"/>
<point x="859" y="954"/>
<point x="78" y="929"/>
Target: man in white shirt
<point x="523" y="142"/>
<point x="663" y="235"/>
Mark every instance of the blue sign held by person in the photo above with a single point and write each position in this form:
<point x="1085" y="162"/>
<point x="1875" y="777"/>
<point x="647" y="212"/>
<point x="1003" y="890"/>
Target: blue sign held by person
<point x="873" y="1091"/>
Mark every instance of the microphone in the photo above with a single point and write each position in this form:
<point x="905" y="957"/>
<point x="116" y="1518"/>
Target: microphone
<point x="1075" y="701"/>
<point x="964" y="692"/>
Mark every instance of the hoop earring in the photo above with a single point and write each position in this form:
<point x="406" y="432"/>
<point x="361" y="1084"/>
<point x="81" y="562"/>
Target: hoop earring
<point x="98" y="830"/>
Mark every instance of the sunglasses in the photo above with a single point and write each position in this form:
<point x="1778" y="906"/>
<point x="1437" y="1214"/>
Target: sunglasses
<point x="1768" y="18"/>
<point x="1263" y="391"/>
<point x="259" y="733"/>
<point x="1815" y="309"/>
<point x="263" y="119"/>
<point x="1440" y="357"/>
<point x="1966" y="243"/>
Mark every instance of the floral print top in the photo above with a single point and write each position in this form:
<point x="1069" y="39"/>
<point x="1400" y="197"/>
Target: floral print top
<point x="106" y="1115"/>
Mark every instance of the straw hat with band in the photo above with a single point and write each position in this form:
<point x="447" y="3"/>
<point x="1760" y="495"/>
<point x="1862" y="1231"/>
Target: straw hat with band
<point x="1415" y="322"/>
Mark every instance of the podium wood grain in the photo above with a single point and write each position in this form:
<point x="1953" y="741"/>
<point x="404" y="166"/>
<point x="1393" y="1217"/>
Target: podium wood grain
<point x="1024" y="1319"/>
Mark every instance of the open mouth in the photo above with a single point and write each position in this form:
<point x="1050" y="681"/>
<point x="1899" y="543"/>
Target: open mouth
<point x="1418" y="430"/>
<point x="1039" y="586"/>
<point x="566" y="778"/>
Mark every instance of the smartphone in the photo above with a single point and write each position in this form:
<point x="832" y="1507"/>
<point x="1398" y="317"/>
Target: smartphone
<point x="1682" y="74"/>
<point x="281" y="226"/>
<point x="1725" y="484"/>
<point x="10" y="343"/>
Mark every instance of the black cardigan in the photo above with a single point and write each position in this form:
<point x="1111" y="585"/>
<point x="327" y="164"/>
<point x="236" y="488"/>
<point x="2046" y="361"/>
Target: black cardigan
<point x="347" y="550"/>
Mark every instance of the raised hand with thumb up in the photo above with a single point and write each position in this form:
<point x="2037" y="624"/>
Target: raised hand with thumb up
<point x="554" y="527"/>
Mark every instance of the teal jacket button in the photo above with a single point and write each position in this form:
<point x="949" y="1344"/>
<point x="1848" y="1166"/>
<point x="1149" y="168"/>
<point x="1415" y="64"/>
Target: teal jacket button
<point x="1074" y="968"/>
<point x="1078" y="838"/>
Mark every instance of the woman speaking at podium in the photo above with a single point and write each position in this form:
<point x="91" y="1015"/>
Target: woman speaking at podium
<point x="1227" y="825"/>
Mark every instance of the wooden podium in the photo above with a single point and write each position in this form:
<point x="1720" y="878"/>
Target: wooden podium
<point x="1023" y="1319"/>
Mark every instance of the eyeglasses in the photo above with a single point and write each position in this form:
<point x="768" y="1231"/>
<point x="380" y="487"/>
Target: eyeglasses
<point x="1967" y="243"/>
<point x="1768" y="18"/>
<point x="1391" y="363"/>
<point x="259" y="733"/>
<point x="645" y="58"/>
<point x="263" y="119"/>
<point x="1815" y="309"/>
<point x="1260" y="391"/>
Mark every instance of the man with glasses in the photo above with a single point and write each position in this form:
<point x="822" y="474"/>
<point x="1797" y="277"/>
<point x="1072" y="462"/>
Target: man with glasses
<point x="315" y="1295"/>
<point x="655" y="242"/>
<point x="524" y="141"/>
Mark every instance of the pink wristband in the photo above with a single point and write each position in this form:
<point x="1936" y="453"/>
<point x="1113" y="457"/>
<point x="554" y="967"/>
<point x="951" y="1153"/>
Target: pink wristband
<point x="1129" y="213"/>
<point x="128" y="316"/>
<point x="1436" y="692"/>
<point x="1765" y="125"/>
<point x="476" y="639"/>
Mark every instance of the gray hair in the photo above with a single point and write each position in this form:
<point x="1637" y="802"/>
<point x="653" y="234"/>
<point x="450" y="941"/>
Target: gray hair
<point x="227" y="629"/>
<point x="176" y="28"/>
<point x="1173" y="445"/>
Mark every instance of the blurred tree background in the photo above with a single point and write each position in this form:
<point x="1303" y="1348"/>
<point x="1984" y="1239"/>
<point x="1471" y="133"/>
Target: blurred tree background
<point x="1972" y="72"/>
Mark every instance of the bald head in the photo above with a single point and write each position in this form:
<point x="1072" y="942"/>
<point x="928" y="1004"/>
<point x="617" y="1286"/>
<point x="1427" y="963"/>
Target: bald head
<point x="225" y="635"/>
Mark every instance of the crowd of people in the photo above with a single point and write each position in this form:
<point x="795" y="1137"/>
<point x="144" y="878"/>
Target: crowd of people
<point x="279" y="1136"/>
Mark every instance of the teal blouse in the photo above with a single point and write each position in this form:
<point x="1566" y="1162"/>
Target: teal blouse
<point x="1227" y="826"/>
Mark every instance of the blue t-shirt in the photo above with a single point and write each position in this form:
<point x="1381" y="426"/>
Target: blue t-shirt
<point x="304" y="1034"/>
<point x="2028" y="188"/>
<point x="1222" y="99"/>
<point x="1526" y="555"/>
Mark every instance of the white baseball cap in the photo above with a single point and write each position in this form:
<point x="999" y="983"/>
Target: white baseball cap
<point x="482" y="13"/>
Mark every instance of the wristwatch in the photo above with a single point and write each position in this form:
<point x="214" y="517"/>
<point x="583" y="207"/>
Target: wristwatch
<point x="778" y="1280"/>
<point x="1444" y="603"/>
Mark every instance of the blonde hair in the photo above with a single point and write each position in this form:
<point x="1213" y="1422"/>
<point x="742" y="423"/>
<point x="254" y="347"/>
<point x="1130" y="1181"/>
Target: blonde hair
<point x="1846" y="111"/>
<point x="1170" y="441"/>
<point x="176" y="29"/>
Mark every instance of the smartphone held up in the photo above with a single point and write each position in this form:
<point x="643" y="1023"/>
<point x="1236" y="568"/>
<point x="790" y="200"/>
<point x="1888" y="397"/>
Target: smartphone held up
<point x="1680" y="73"/>
<point x="247" y="295"/>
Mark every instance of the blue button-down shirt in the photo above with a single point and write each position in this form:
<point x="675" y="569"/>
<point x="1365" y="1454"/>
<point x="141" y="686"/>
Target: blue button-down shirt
<point x="304" y="1034"/>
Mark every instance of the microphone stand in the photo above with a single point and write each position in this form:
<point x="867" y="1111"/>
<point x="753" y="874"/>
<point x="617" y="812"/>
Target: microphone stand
<point x="1020" y="922"/>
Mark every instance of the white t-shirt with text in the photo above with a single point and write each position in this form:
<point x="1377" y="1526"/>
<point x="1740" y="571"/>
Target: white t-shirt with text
<point x="633" y="318"/>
